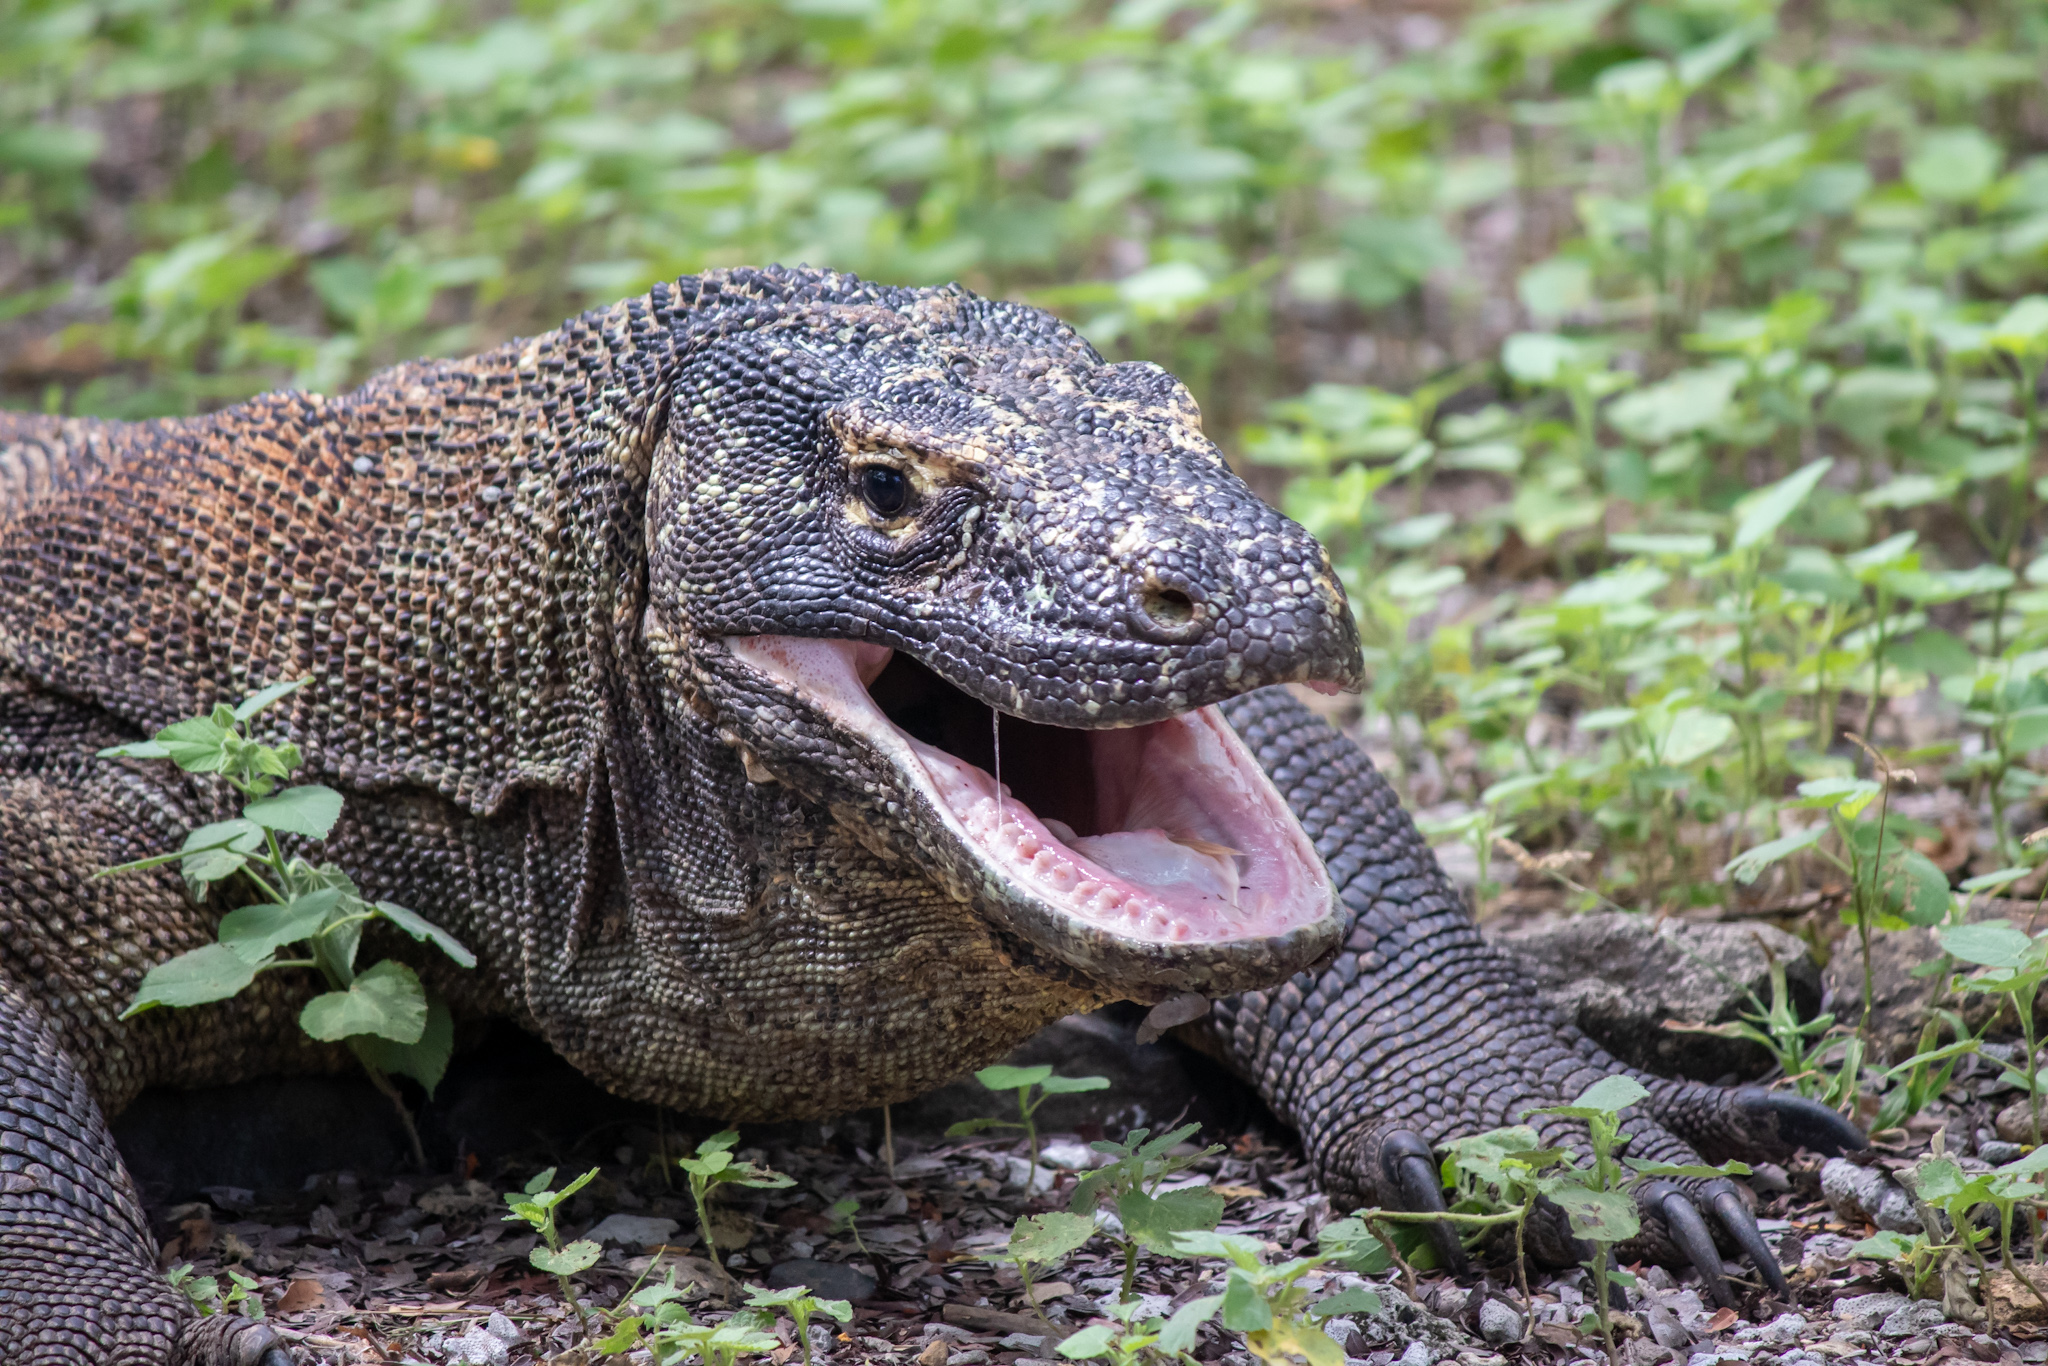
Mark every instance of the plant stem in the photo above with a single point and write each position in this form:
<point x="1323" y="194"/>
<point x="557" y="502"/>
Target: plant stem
<point x="384" y="1084"/>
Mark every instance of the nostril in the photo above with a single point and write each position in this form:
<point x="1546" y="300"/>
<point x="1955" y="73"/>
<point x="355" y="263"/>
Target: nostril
<point x="1168" y="607"/>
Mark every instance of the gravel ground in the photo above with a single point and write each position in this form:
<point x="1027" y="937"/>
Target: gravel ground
<point x="424" y="1269"/>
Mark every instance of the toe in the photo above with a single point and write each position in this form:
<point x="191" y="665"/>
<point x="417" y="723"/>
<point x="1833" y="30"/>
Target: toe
<point x="1410" y="1173"/>
<point x="1688" y="1232"/>
<point x="1734" y="1216"/>
<point x="1799" y="1122"/>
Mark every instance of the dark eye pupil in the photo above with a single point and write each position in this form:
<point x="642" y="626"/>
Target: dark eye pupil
<point x="885" y="490"/>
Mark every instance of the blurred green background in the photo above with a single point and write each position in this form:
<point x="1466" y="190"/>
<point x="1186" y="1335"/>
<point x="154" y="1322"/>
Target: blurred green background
<point x="1664" y="376"/>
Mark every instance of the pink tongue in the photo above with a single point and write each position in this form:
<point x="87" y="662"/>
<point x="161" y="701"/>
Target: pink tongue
<point x="1150" y="859"/>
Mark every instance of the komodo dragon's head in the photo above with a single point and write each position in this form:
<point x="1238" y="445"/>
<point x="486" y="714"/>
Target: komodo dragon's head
<point x="909" y="541"/>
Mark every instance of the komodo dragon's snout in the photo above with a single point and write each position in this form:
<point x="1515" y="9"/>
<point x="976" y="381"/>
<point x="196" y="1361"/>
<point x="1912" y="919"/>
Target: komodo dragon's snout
<point x="945" y="571"/>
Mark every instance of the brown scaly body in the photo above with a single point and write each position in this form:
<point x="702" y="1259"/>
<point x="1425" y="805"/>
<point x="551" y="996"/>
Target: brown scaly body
<point x="529" y="588"/>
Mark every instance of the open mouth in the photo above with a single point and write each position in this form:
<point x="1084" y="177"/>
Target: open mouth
<point x="1166" y="837"/>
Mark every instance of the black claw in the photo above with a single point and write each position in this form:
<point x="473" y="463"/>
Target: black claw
<point x="1735" y="1217"/>
<point x="1802" y="1122"/>
<point x="1411" y="1168"/>
<point x="1689" y="1230"/>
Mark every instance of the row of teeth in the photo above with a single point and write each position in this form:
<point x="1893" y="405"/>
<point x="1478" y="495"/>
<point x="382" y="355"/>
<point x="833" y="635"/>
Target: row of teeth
<point x="1101" y="902"/>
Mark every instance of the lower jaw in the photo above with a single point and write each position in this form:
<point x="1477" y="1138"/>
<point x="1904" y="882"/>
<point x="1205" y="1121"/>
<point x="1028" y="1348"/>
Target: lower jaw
<point x="1143" y="942"/>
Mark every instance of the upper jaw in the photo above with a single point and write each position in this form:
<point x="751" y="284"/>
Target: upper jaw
<point x="1194" y="875"/>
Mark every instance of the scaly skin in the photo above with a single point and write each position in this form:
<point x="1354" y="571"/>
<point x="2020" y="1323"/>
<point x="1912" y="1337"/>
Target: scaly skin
<point x="511" y="580"/>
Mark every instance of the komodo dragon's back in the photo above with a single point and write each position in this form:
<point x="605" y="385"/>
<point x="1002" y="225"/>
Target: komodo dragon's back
<point x="42" y="455"/>
<point x="669" y="660"/>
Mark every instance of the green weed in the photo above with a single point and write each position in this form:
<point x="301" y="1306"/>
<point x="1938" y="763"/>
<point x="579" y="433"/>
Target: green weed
<point x="536" y="1206"/>
<point x="383" y="1012"/>
<point x="1032" y="1086"/>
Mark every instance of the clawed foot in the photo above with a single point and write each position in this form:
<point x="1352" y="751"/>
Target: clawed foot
<point x="1685" y="1222"/>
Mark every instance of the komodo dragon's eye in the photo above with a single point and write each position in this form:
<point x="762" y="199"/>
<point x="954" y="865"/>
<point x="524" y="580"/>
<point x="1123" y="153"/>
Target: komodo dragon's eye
<point x="885" y="490"/>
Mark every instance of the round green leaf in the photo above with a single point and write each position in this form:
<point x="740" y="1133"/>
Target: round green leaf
<point x="310" y="811"/>
<point x="386" y="1000"/>
<point x="1954" y="164"/>
<point x="1601" y="1216"/>
<point x="580" y="1255"/>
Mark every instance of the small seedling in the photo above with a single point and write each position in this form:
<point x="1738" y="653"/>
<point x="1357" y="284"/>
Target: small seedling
<point x="537" y="1206"/>
<point x="714" y="1166"/>
<point x="2012" y="964"/>
<point x="1040" y="1241"/>
<point x="668" y="1333"/>
<point x="1032" y="1085"/>
<point x="382" y="1012"/>
<point x="1268" y="1304"/>
<point x="1595" y="1204"/>
<point x="1130" y="1183"/>
<point x="799" y="1303"/>
<point x="204" y="1292"/>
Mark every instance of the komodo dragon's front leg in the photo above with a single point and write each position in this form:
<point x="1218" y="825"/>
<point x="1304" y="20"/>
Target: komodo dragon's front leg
<point x="79" y="1284"/>
<point x="1419" y="1031"/>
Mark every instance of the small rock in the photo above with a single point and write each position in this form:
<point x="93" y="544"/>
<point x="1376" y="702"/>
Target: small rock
<point x="1866" y="1312"/>
<point x="1866" y="1195"/>
<point x="1451" y="1301"/>
<point x="1418" y="1354"/>
<point x="478" y="1348"/>
<point x="1781" y="1331"/>
<point x="1071" y="1154"/>
<point x="2010" y="1300"/>
<point x="1665" y="1329"/>
<point x="632" y="1230"/>
<point x="936" y="1351"/>
<point x="2014" y="1125"/>
<point x="1998" y="1152"/>
<point x="827" y="1280"/>
<point x="1915" y="1318"/>
<point x="1498" y="1323"/>
<point x="1769" y="1178"/>
<point x="502" y="1328"/>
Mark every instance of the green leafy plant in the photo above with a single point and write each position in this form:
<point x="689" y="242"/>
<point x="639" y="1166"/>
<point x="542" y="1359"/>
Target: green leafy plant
<point x="1596" y="1200"/>
<point x="664" y="1328"/>
<point x="713" y="1166"/>
<point x="1130" y="1182"/>
<point x="241" y="1297"/>
<point x="1038" y="1242"/>
<point x="1800" y="1048"/>
<point x="1270" y="1305"/>
<point x="536" y="1206"/>
<point x="2011" y="964"/>
<point x="383" y="1012"/>
<point x="800" y="1304"/>
<point x="1032" y="1086"/>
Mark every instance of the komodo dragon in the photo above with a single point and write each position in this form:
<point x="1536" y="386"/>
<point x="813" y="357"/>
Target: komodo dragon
<point x="661" y="658"/>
